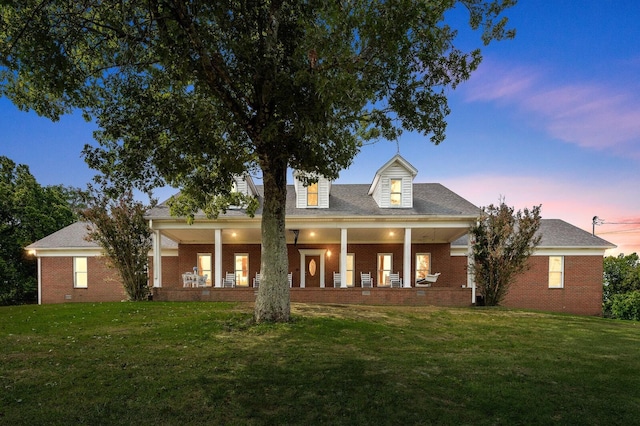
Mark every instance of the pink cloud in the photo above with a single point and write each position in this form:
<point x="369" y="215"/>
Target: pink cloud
<point x="590" y="115"/>
<point x="575" y="203"/>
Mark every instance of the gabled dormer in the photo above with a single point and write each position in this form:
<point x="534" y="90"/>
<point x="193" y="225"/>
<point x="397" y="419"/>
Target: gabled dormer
<point x="392" y="185"/>
<point x="243" y="184"/>
<point x="313" y="195"/>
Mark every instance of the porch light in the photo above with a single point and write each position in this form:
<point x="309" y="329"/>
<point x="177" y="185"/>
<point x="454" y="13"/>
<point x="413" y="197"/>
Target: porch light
<point x="233" y="234"/>
<point x="31" y="252"/>
<point x="328" y="253"/>
<point x="313" y="234"/>
<point x="391" y="233"/>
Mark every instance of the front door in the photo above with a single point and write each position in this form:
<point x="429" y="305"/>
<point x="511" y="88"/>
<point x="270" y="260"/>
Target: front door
<point x="312" y="271"/>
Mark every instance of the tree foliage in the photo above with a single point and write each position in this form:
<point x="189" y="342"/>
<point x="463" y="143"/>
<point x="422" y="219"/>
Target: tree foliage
<point x="28" y="212"/>
<point x="120" y="228"/>
<point x="621" y="276"/>
<point x="189" y="93"/>
<point x="502" y="243"/>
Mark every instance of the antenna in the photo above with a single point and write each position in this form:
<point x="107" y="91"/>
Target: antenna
<point x="595" y="221"/>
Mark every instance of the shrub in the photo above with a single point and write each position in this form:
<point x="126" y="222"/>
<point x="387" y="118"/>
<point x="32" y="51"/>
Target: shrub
<point x="626" y="306"/>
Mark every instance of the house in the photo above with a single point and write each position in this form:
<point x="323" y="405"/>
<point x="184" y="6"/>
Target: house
<point x="393" y="241"/>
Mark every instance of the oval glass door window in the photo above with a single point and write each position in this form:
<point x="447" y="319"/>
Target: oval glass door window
<point x="312" y="267"/>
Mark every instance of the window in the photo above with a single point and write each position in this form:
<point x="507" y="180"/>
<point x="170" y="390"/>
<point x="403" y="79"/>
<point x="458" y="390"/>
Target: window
<point x="350" y="269"/>
<point x="385" y="263"/>
<point x="80" y="272"/>
<point x="423" y="265"/>
<point x="241" y="262"/>
<point x="396" y="192"/>
<point x="312" y="194"/>
<point x="556" y="271"/>
<point x="204" y="266"/>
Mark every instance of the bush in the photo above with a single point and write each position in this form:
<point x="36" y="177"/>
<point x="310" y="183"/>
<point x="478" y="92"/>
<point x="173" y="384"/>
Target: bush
<point x="626" y="306"/>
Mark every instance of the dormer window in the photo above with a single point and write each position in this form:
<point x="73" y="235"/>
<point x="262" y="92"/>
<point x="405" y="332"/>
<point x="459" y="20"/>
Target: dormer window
<point x="395" y="192"/>
<point x="312" y="195"/>
<point x="392" y="185"/>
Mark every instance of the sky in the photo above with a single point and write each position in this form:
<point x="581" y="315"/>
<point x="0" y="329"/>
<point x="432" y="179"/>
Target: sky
<point x="551" y="117"/>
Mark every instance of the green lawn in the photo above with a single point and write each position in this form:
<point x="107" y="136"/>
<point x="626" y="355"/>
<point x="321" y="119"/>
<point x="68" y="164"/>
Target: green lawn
<point x="205" y="363"/>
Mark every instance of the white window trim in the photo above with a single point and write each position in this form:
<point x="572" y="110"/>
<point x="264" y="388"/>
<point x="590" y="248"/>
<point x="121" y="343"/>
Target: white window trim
<point x="415" y="276"/>
<point x="317" y="193"/>
<point x="353" y="271"/>
<point x="235" y="271"/>
<point x="381" y="282"/>
<point x="561" y="273"/>
<point x="391" y="193"/>
<point x="209" y="272"/>
<point x="76" y="272"/>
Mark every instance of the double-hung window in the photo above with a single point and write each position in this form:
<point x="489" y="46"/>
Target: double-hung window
<point x="80" y="272"/>
<point x="204" y="266"/>
<point x="395" y="192"/>
<point x="350" y="269"/>
<point x="241" y="262"/>
<point x="556" y="271"/>
<point x="423" y="265"/>
<point x="385" y="265"/>
<point x="312" y="195"/>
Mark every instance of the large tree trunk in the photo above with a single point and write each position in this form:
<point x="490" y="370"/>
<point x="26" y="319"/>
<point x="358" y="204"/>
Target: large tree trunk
<point x="273" y="302"/>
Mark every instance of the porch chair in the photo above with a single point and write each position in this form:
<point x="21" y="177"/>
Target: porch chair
<point x="201" y="281"/>
<point x="427" y="280"/>
<point x="366" y="280"/>
<point x="395" y="280"/>
<point x="230" y="280"/>
<point x="256" y="280"/>
<point x="290" y="279"/>
<point x="336" y="279"/>
<point x="188" y="279"/>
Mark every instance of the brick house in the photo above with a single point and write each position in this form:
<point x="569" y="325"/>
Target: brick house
<point x="391" y="242"/>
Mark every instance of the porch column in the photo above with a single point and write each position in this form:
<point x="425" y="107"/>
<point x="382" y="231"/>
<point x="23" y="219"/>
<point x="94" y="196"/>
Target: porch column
<point x="471" y="278"/>
<point x="217" y="242"/>
<point x="157" y="259"/>
<point x="406" y="259"/>
<point x="343" y="258"/>
<point x="39" y="280"/>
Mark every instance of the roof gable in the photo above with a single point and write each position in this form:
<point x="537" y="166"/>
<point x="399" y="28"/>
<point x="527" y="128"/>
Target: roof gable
<point x="392" y="186"/>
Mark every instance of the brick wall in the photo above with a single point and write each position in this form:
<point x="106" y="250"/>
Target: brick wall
<point x="57" y="281"/>
<point x="104" y="284"/>
<point x="377" y="296"/>
<point x="581" y="294"/>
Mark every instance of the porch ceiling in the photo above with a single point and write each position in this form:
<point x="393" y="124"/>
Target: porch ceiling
<point x="319" y="235"/>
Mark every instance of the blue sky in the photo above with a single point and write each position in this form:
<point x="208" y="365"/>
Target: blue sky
<point x="551" y="117"/>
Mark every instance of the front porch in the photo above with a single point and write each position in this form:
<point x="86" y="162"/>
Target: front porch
<point x="434" y="296"/>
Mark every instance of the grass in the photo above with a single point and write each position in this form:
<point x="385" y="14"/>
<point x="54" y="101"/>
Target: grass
<point x="206" y="363"/>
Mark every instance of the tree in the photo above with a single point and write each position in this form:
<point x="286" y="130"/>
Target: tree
<point x="119" y="226"/>
<point x="621" y="276"/>
<point x="189" y="93"/>
<point x="28" y="212"/>
<point x="502" y="244"/>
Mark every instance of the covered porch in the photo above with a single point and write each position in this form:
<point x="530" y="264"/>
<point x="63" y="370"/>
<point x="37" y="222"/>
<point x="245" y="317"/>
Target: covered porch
<point x="324" y="256"/>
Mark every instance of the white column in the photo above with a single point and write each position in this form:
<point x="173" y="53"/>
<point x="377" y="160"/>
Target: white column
<point x="218" y="258"/>
<point x="39" y="281"/>
<point x="471" y="279"/>
<point x="406" y="259"/>
<point x="343" y="258"/>
<point x="157" y="259"/>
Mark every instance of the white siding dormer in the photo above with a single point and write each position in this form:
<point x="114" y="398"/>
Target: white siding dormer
<point x="244" y="185"/>
<point x="392" y="185"/>
<point x="313" y="196"/>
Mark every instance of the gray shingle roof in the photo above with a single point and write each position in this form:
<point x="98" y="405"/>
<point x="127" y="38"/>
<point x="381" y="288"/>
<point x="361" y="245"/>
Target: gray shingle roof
<point x="353" y="200"/>
<point x="73" y="236"/>
<point x="558" y="233"/>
